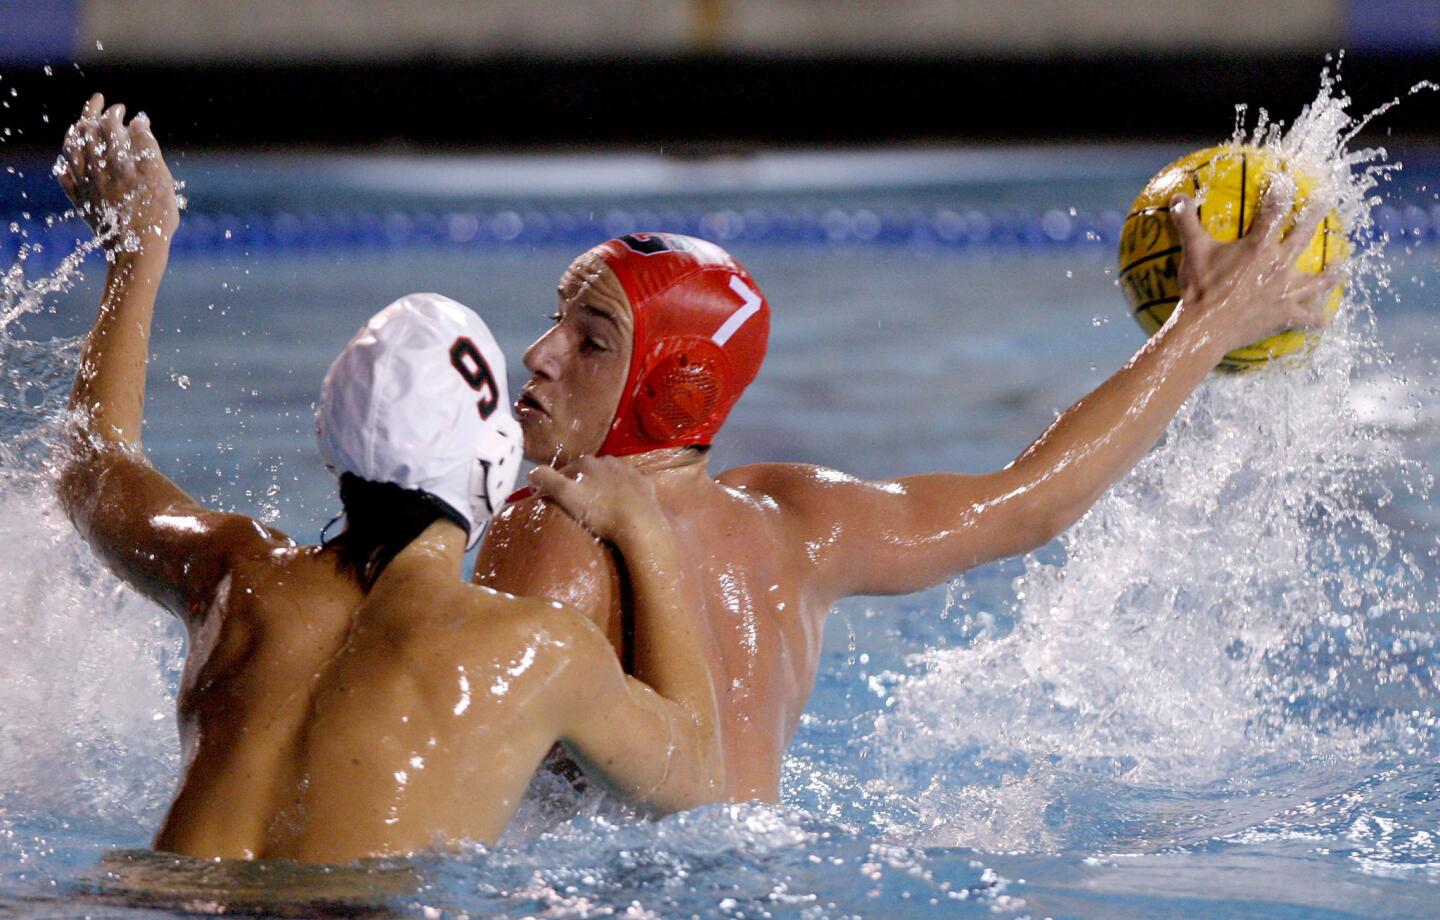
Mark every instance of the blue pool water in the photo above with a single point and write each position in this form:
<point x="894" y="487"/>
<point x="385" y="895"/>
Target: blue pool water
<point x="1214" y="697"/>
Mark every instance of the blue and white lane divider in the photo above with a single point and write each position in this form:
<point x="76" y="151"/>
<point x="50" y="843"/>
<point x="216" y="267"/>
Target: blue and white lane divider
<point x="207" y="234"/>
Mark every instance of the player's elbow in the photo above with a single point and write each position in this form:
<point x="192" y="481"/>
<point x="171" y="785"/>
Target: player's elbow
<point x="695" y="774"/>
<point x="1019" y="532"/>
<point x="79" y="486"/>
<point x="699" y="771"/>
<point x="86" y="477"/>
<point x="1037" y="509"/>
<point x="1050" y="524"/>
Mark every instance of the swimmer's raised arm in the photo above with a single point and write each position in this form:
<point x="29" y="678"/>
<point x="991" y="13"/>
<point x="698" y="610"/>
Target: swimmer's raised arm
<point x="904" y="534"/>
<point x="141" y="523"/>
<point x="618" y="504"/>
<point x="120" y="184"/>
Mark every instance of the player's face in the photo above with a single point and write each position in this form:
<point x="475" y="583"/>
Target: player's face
<point x="578" y="367"/>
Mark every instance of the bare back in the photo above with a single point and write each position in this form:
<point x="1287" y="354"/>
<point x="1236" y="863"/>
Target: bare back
<point x="319" y="723"/>
<point x="762" y="615"/>
<point x="771" y="547"/>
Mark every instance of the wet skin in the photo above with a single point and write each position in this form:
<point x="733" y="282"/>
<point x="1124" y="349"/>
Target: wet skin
<point x="323" y="721"/>
<point x="774" y="546"/>
<point x="321" y="724"/>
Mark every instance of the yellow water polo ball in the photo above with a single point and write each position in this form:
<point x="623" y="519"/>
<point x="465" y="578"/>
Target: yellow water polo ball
<point x="1227" y="182"/>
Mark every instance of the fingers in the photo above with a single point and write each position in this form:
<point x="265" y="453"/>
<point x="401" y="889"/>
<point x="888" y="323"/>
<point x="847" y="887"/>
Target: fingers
<point x="117" y="141"/>
<point x="1312" y="316"/>
<point x="1311" y="297"/>
<point x="548" y="480"/>
<point x="100" y="137"/>
<point x="114" y="174"/>
<point x="1185" y="215"/>
<point x="142" y="139"/>
<point x="75" y="147"/>
<point x="73" y="150"/>
<point x="561" y="489"/>
<point x="67" y="182"/>
<point x="1275" y="202"/>
<point x="1311" y="215"/>
<point x="1309" y="286"/>
<point x="94" y="148"/>
<point x="1332" y="277"/>
<point x="113" y="133"/>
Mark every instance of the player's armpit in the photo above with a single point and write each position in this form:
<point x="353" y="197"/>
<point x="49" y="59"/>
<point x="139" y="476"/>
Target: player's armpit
<point x="151" y="533"/>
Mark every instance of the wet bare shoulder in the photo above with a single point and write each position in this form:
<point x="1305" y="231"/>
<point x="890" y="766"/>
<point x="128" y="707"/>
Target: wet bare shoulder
<point x="508" y="643"/>
<point x="251" y="545"/>
<point x="252" y="539"/>
<point x="797" y="489"/>
<point x="422" y="601"/>
<point x="817" y="508"/>
<point x="256" y="556"/>
<point x="534" y="549"/>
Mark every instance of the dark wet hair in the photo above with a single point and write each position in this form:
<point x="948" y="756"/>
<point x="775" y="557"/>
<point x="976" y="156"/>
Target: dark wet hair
<point x="381" y="519"/>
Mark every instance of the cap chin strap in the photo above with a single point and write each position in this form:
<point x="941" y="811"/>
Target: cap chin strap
<point x="331" y="523"/>
<point x="453" y="515"/>
<point x="497" y="464"/>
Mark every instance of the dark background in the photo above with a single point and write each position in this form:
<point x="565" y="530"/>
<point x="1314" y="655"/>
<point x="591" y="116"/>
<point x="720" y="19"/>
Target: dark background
<point x="693" y="77"/>
<point x="688" y="105"/>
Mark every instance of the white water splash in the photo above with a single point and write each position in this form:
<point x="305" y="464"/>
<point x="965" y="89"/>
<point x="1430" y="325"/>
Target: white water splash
<point x="1232" y="604"/>
<point x="86" y="694"/>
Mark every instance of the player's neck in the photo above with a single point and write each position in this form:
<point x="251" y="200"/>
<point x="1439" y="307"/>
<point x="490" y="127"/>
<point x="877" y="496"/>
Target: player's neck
<point x="441" y="545"/>
<point x="673" y="463"/>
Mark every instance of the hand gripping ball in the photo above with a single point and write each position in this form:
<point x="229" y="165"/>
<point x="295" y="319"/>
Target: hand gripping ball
<point x="1227" y="183"/>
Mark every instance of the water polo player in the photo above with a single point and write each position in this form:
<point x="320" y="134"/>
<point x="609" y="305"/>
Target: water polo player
<point x="655" y="338"/>
<point x="358" y="698"/>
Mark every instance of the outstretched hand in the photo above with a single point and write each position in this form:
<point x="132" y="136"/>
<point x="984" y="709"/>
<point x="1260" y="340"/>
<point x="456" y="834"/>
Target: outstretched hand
<point x="1250" y="289"/>
<point x="116" y="177"/>
<point x="604" y="495"/>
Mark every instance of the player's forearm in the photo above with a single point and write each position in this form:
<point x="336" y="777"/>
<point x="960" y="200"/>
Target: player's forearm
<point x="904" y="534"/>
<point x="691" y="770"/>
<point x="668" y="651"/>
<point x="109" y="395"/>
<point x="953" y="522"/>
<point x="655" y="734"/>
<point x="1233" y="293"/>
<point x="624" y="732"/>
<point x="1097" y="440"/>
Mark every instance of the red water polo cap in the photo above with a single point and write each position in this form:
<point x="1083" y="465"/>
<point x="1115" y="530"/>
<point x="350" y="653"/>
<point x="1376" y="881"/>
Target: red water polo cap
<point x="701" y="327"/>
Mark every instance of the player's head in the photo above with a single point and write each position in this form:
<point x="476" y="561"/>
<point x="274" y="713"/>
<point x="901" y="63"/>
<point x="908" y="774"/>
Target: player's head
<point x="656" y="337"/>
<point x="414" y="418"/>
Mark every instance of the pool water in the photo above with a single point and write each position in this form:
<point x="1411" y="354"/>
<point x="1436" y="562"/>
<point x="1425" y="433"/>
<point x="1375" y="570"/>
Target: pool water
<point x="1215" y="696"/>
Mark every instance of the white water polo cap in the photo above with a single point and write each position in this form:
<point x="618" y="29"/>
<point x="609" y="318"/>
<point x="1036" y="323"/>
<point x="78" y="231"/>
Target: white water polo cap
<point x="418" y="398"/>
